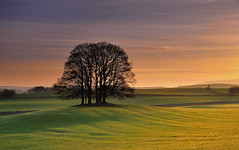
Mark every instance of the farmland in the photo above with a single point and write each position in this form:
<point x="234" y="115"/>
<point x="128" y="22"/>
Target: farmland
<point x="132" y="124"/>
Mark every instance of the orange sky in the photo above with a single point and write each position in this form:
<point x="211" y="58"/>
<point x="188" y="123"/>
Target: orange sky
<point x="149" y="72"/>
<point x="170" y="43"/>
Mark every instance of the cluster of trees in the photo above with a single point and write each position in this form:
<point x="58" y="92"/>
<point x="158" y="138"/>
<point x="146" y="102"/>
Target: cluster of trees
<point x="234" y="90"/>
<point x="40" y="89"/>
<point x="96" y="70"/>
<point x="6" y="93"/>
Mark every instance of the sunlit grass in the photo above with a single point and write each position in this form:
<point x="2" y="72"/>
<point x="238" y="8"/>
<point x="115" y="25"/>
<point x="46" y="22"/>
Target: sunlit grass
<point x="162" y="100"/>
<point x="34" y="104"/>
<point x="175" y="91"/>
<point x="44" y="94"/>
<point x="44" y="103"/>
<point x="130" y="125"/>
<point x="121" y="127"/>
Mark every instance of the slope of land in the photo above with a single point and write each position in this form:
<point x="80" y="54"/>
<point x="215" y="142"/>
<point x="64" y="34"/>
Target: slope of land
<point x="129" y="125"/>
<point x="180" y="91"/>
<point x="230" y="81"/>
<point x="121" y="127"/>
<point x="28" y="104"/>
<point x="167" y="100"/>
<point x="213" y="85"/>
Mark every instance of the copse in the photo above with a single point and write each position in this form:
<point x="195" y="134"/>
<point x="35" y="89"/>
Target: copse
<point x="96" y="70"/>
<point x="234" y="90"/>
<point x="40" y="89"/>
<point x="6" y="93"/>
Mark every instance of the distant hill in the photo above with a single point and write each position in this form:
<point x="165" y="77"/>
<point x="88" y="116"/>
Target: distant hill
<point x="231" y="81"/>
<point x="17" y="88"/>
<point x="214" y="85"/>
<point x="156" y="87"/>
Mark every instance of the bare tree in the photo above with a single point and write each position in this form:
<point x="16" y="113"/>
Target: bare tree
<point x="96" y="70"/>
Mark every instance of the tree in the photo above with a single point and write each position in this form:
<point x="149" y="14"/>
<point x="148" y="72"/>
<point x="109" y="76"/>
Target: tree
<point x="40" y="89"/>
<point x="6" y="93"/>
<point x="96" y="70"/>
<point x="234" y="90"/>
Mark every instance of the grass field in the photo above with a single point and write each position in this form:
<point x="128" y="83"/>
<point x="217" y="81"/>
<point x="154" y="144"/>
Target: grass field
<point x="162" y="100"/>
<point x="56" y="125"/>
<point x="34" y="104"/>
<point x="174" y="91"/>
<point x="180" y="91"/>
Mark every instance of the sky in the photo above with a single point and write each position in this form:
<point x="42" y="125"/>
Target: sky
<point x="169" y="42"/>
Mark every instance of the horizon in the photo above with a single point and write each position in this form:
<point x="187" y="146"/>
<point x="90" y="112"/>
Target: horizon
<point x="142" y="87"/>
<point x="170" y="43"/>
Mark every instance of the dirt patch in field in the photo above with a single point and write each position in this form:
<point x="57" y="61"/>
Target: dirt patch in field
<point x="14" y="112"/>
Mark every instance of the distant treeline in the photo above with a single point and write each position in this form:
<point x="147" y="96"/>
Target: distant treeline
<point x="234" y="90"/>
<point x="6" y="93"/>
<point x="40" y="89"/>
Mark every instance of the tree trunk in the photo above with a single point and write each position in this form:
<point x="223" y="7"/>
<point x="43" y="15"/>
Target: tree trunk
<point x="96" y="91"/>
<point x="85" y="93"/>
<point x="101" y="90"/>
<point x="90" y="87"/>
<point x="104" y="90"/>
<point x="89" y="93"/>
<point x="82" y="95"/>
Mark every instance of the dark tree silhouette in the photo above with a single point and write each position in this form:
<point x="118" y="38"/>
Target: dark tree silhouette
<point x="6" y="93"/>
<point x="234" y="90"/>
<point x="40" y="89"/>
<point x="96" y="70"/>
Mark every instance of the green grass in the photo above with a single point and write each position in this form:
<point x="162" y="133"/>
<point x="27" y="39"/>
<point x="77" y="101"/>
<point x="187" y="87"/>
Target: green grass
<point x="34" y="104"/>
<point x="121" y="127"/>
<point x="175" y="91"/>
<point x="45" y="103"/>
<point x="46" y="94"/>
<point x="56" y="125"/>
<point x="221" y="90"/>
<point x="162" y="100"/>
<point x="222" y="106"/>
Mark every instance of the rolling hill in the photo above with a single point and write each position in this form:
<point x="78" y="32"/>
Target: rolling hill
<point x="230" y="81"/>
<point x="214" y="85"/>
<point x="121" y="127"/>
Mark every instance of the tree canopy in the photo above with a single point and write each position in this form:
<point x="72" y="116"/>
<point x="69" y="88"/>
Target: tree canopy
<point x="40" y="89"/>
<point x="234" y="90"/>
<point x="6" y="93"/>
<point x="96" y="70"/>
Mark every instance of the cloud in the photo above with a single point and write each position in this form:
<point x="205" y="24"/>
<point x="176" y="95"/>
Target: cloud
<point x="108" y="10"/>
<point x="156" y="34"/>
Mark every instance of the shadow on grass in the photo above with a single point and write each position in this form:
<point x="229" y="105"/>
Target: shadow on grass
<point x="14" y="112"/>
<point x="45" y="120"/>
<point x="98" y="105"/>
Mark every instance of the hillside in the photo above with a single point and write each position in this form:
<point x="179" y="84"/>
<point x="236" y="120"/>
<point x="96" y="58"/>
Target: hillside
<point x="214" y="85"/>
<point x="230" y="81"/>
<point x="173" y="91"/>
<point x="51" y="123"/>
<point x="121" y="127"/>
